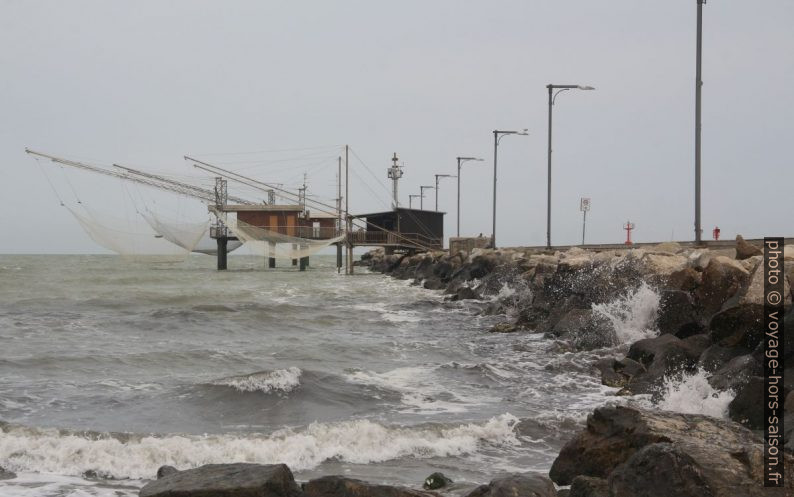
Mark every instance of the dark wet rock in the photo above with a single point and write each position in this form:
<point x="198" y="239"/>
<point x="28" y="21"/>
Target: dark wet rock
<point x="747" y="407"/>
<point x="503" y="328"/>
<point x="517" y="485"/>
<point x="745" y="250"/>
<point x="649" y="453"/>
<point x="465" y="293"/>
<point x="588" y="486"/>
<point x="645" y="351"/>
<point x="716" y="356"/>
<point x="687" y="280"/>
<point x="662" y="470"/>
<point x="741" y="325"/>
<point x="677" y="314"/>
<point x="436" y="481"/>
<point x="618" y="373"/>
<point x="736" y="373"/>
<point x="339" y="486"/>
<point x="164" y="471"/>
<point x="226" y="480"/>
<point x="664" y="356"/>
<point x="722" y="279"/>
<point x="585" y="329"/>
<point x="6" y="474"/>
<point x="433" y="284"/>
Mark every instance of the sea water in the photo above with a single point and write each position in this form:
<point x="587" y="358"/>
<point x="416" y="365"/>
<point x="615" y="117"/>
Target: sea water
<point x="111" y="369"/>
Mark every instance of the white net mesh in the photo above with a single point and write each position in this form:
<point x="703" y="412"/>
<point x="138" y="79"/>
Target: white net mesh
<point x="267" y="243"/>
<point x="134" y="239"/>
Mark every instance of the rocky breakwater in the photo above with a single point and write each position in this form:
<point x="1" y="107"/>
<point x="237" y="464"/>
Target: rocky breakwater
<point x="276" y="480"/>
<point x="702" y="314"/>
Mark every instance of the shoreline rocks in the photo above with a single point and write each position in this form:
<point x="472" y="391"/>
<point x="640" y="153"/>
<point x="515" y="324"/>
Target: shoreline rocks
<point x="641" y="452"/>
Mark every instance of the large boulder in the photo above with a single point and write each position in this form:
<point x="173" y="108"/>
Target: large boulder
<point x="747" y="407"/>
<point x="722" y="278"/>
<point x="716" y="356"/>
<point x="652" y="453"/>
<point x="226" y="480"/>
<point x="735" y="373"/>
<point x="677" y="314"/>
<point x="618" y="373"/>
<point x="585" y="329"/>
<point x="517" y="485"/>
<point x="339" y="486"/>
<point x="661" y="470"/>
<point x="745" y="250"/>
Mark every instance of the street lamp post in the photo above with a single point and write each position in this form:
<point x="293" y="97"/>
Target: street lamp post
<point x="698" y="88"/>
<point x="552" y="98"/>
<point x="497" y="136"/>
<point x="411" y="200"/>
<point x="461" y="160"/>
<point x="422" y="196"/>
<point x="438" y="176"/>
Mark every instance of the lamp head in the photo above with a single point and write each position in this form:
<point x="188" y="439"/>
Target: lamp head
<point x="585" y="87"/>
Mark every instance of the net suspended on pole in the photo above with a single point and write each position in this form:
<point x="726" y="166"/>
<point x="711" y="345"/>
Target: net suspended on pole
<point x="134" y="240"/>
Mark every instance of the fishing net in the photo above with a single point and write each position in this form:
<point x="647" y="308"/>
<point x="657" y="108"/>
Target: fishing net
<point x="136" y="239"/>
<point x="266" y="243"/>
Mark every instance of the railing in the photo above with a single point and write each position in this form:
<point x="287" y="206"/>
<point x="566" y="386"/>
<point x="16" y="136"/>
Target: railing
<point x="390" y="238"/>
<point x="308" y="232"/>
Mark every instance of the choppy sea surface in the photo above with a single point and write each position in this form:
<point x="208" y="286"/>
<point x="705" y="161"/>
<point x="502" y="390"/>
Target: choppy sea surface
<point x="111" y="369"/>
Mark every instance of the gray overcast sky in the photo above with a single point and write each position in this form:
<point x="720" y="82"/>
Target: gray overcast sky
<point x="146" y="82"/>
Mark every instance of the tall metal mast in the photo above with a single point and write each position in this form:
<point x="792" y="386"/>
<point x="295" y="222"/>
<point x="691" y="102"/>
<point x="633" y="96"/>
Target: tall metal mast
<point x="395" y="173"/>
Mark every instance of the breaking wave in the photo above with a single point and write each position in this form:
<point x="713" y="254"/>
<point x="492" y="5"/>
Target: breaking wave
<point x="138" y="457"/>
<point x="633" y="316"/>
<point x="280" y="380"/>
<point x="692" y="394"/>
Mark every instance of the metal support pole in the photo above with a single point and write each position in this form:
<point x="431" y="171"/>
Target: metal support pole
<point x="493" y="229"/>
<point x="698" y="88"/>
<point x="548" y="192"/>
<point x="339" y="215"/>
<point x="348" y="220"/>
<point x="584" y="223"/>
<point x="436" y="192"/>
<point x="458" y="197"/>
<point x="222" y="243"/>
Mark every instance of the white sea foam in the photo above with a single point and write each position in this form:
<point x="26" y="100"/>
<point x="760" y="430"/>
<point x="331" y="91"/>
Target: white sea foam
<point x="692" y="394"/>
<point x="387" y="314"/>
<point x="280" y="380"/>
<point x="359" y="442"/>
<point x="633" y="315"/>
<point x="421" y="392"/>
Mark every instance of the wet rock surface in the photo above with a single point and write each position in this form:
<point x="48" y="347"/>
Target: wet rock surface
<point x="226" y="480"/>
<point x="641" y="452"/>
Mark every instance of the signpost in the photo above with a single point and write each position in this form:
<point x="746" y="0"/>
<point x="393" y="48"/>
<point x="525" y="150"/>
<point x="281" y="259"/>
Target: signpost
<point x="584" y="206"/>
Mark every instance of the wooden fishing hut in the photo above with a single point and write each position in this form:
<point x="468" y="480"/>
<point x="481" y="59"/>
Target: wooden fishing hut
<point x="281" y="223"/>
